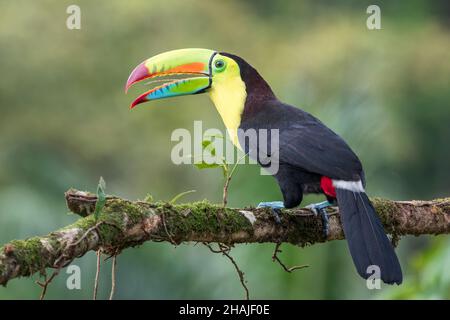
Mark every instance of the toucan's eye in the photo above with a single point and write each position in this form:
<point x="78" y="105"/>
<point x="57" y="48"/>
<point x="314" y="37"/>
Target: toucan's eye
<point x="219" y="65"/>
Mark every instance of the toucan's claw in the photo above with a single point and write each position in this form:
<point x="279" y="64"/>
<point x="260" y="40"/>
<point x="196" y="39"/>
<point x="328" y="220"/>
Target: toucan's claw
<point x="276" y="214"/>
<point x="275" y="209"/>
<point x="321" y="208"/>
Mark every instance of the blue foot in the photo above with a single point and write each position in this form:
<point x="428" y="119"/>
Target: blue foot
<point x="275" y="207"/>
<point x="321" y="208"/>
<point x="272" y="204"/>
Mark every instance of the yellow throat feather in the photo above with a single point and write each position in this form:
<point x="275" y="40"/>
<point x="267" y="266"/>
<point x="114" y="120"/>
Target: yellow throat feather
<point x="228" y="94"/>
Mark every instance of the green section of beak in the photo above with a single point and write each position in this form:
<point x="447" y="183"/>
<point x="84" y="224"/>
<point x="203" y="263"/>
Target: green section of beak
<point x="178" y="62"/>
<point x="188" y="60"/>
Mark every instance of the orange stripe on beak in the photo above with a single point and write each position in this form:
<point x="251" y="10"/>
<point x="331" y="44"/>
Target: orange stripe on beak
<point x="194" y="67"/>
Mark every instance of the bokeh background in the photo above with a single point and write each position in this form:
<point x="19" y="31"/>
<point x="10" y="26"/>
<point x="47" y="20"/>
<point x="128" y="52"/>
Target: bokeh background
<point x="64" y="122"/>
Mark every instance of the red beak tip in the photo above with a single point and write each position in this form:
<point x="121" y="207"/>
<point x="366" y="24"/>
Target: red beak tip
<point x="139" y="73"/>
<point x="141" y="99"/>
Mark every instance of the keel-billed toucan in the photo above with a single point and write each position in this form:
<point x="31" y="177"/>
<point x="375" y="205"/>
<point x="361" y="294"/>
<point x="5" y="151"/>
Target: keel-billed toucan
<point x="312" y="158"/>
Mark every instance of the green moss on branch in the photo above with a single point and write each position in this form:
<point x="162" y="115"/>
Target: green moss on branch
<point x="123" y="224"/>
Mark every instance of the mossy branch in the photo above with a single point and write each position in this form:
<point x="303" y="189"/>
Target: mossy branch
<point x="122" y="224"/>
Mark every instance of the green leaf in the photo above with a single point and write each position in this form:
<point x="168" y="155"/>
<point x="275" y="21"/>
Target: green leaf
<point x="101" y="197"/>
<point x="206" y="143"/>
<point x="209" y="147"/>
<point x="148" y="198"/>
<point x="178" y="196"/>
<point x="203" y="165"/>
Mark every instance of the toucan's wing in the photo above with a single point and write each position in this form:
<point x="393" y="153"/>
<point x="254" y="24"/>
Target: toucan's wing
<point x="305" y="142"/>
<point x="312" y="146"/>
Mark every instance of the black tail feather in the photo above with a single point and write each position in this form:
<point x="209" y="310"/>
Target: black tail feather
<point x="366" y="238"/>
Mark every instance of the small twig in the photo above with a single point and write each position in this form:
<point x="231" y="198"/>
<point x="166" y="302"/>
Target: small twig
<point x="113" y="277"/>
<point x="98" y="224"/>
<point x="46" y="283"/>
<point x="240" y="273"/>
<point x="97" y="275"/>
<point x="225" y="191"/>
<point x="212" y="249"/>
<point x="228" y="180"/>
<point x="224" y="249"/>
<point x="163" y="216"/>
<point x="275" y="258"/>
<point x="63" y="255"/>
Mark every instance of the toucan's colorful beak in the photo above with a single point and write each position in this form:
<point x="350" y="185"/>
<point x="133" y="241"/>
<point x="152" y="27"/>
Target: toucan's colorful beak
<point x="182" y="72"/>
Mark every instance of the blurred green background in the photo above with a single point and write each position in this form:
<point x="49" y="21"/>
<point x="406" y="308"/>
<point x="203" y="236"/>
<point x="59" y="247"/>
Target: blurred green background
<point x="65" y="122"/>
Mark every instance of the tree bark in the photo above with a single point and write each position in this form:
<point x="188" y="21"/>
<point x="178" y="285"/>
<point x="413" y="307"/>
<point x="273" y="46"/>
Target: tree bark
<point x="122" y="224"/>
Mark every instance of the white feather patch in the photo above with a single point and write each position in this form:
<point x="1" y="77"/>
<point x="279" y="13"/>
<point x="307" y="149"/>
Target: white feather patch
<point x="249" y="215"/>
<point x="355" y="186"/>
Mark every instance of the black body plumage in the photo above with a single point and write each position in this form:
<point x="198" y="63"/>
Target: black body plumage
<point x="308" y="150"/>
